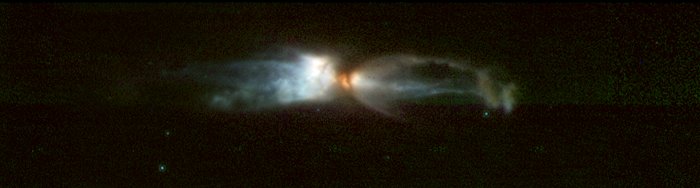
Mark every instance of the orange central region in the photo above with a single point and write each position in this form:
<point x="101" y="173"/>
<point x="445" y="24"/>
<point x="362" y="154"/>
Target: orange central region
<point x="345" y="81"/>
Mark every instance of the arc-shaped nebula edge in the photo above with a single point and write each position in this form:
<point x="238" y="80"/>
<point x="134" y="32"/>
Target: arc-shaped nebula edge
<point x="381" y="84"/>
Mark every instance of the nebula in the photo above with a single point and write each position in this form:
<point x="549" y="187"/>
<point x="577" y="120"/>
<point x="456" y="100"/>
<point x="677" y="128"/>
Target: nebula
<point x="260" y="85"/>
<point x="383" y="84"/>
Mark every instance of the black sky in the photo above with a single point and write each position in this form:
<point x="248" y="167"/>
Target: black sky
<point x="557" y="53"/>
<point x="84" y="103"/>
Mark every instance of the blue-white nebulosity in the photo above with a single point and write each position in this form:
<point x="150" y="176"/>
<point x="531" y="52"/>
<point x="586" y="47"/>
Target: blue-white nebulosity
<point x="387" y="82"/>
<point x="383" y="84"/>
<point x="256" y="85"/>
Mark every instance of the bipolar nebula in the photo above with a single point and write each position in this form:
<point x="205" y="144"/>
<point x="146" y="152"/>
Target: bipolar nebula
<point x="383" y="84"/>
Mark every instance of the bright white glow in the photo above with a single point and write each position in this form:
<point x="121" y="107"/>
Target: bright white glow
<point x="310" y="79"/>
<point x="319" y="75"/>
<point x="254" y="85"/>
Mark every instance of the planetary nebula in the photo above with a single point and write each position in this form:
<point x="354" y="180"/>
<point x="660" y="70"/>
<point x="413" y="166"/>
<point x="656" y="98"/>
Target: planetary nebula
<point x="383" y="84"/>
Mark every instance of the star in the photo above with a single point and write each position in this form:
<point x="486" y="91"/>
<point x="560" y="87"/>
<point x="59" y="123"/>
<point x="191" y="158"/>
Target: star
<point x="167" y="133"/>
<point x="486" y="114"/>
<point x="162" y="167"/>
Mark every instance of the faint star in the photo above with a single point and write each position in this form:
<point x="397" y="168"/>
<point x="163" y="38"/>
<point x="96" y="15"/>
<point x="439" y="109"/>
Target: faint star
<point x="167" y="133"/>
<point x="162" y="167"/>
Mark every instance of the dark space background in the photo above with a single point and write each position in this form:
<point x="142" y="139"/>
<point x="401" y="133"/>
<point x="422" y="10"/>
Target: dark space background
<point x="608" y="97"/>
